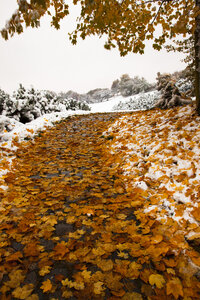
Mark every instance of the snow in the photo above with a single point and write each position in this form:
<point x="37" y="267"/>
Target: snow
<point x="131" y="103"/>
<point x="166" y="154"/>
<point x="108" y="105"/>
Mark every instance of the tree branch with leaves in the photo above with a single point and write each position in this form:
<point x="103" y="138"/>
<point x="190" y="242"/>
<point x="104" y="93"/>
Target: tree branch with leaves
<point x="127" y="24"/>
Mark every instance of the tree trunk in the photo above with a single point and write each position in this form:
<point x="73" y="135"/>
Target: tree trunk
<point x="197" y="60"/>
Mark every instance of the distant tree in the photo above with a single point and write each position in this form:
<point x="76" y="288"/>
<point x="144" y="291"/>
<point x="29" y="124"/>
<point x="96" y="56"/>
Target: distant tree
<point x="3" y="99"/>
<point x="126" y="23"/>
<point x="115" y="85"/>
<point x="20" y="93"/>
<point x="132" y="86"/>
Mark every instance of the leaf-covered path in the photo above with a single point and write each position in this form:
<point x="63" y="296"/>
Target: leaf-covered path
<point x="69" y="229"/>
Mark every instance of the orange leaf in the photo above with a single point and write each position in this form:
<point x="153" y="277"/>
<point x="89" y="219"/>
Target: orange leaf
<point x="175" y="288"/>
<point x="61" y="249"/>
<point x="46" y="286"/>
<point x="14" y="256"/>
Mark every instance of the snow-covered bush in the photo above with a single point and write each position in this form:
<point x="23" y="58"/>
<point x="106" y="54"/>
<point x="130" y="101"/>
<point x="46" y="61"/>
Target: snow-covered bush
<point x="4" y="100"/>
<point x="170" y="94"/>
<point x="7" y="124"/>
<point x="185" y="86"/>
<point x="143" y="101"/>
<point x="72" y="104"/>
<point x="27" y="105"/>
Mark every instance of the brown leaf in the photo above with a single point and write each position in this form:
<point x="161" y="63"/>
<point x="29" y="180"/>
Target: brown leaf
<point x="175" y="288"/>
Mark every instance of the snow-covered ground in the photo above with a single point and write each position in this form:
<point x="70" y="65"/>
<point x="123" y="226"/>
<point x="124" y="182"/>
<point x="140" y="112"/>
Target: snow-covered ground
<point x="107" y="106"/>
<point x="131" y="103"/>
<point x="159" y="153"/>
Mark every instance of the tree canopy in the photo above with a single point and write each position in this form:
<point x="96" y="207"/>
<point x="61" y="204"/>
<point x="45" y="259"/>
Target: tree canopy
<point x="126" y="23"/>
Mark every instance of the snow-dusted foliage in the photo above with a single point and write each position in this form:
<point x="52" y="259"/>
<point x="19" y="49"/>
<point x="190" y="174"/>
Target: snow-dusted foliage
<point x="170" y="94"/>
<point x="4" y="100"/>
<point x="143" y="101"/>
<point x="99" y="95"/>
<point x="132" y="86"/>
<point x="185" y="86"/>
<point x="72" y="104"/>
<point x="26" y="105"/>
<point x="7" y="123"/>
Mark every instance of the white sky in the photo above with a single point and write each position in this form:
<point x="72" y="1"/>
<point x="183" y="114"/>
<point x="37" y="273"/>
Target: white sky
<point x="44" y="58"/>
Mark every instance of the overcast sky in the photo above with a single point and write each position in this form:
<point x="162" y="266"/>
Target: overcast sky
<point x="44" y="58"/>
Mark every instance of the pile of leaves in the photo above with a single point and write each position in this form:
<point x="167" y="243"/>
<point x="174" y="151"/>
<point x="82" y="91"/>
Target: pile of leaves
<point x="77" y="220"/>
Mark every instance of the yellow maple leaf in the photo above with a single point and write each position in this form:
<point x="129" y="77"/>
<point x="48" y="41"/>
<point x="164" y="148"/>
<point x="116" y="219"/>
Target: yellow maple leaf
<point x="45" y="270"/>
<point x="46" y="286"/>
<point x="23" y="292"/>
<point x="16" y="278"/>
<point x="98" y="287"/>
<point x="86" y="275"/>
<point x="52" y="220"/>
<point x="157" y="279"/>
<point x="175" y="288"/>
<point x="98" y="251"/>
<point x="71" y="219"/>
<point x="67" y="282"/>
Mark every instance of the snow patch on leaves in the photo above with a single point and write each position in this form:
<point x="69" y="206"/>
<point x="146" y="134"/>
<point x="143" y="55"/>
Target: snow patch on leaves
<point x="160" y="154"/>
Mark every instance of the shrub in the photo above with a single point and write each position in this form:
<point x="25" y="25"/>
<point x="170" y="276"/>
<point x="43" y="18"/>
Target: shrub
<point x="143" y="101"/>
<point x="27" y="105"/>
<point x="72" y="104"/>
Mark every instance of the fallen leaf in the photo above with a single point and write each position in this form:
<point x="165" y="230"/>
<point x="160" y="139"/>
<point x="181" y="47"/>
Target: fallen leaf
<point x="45" y="270"/>
<point x="46" y="286"/>
<point x="23" y="292"/>
<point x="157" y="279"/>
<point x="175" y="288"/>
<point x="98" y="288"/>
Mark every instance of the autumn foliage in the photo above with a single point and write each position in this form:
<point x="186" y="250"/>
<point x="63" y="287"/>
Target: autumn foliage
<point x="127" y="24"/>
<point x="73" y="222"/>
